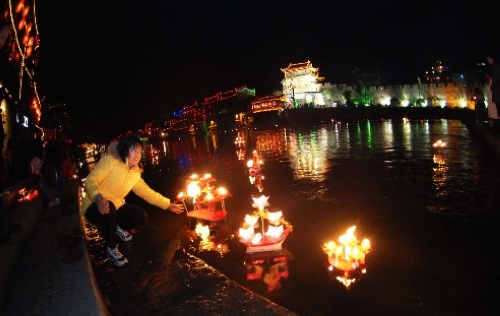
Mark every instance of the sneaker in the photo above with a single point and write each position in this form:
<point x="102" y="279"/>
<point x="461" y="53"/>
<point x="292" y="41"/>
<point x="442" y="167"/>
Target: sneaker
<point x="116" y="257"/>
<point x="123" y="233"/>
<point x="54" y="202"/>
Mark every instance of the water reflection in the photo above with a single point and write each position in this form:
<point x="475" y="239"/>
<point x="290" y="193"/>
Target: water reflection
<point x="272" y="268"/>
<point x="256" y="179"/>
<point x="383" y="176"/>
<point x="396" y="148"/>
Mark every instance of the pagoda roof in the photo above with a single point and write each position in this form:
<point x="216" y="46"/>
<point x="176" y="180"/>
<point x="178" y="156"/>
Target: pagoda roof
<point x="303" y="65"/>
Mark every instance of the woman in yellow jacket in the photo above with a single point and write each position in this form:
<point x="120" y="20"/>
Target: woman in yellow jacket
<point x="107" y="185"/>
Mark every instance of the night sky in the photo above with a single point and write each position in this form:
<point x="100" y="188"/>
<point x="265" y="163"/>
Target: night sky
<point x="120" y="64"/>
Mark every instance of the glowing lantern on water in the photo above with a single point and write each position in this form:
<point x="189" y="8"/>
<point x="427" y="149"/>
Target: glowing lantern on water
<point x="439" y="144"/>
<point x="205" y="203"/>
<point x="274" y="229"/>
<point x="347" y="255"/>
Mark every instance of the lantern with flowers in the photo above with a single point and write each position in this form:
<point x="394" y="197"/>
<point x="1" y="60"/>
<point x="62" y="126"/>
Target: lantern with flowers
<point x="263" y="230"/>
<point x="205" y="203"/>
<point x="202" y="200"/>
<point x="254" y="164"/>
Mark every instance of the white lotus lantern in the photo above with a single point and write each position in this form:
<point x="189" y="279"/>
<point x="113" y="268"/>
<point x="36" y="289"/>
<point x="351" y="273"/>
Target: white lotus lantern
<point x="274" y="229"/>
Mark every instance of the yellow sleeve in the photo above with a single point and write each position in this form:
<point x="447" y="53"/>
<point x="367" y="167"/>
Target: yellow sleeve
<point x="149" y="195"/>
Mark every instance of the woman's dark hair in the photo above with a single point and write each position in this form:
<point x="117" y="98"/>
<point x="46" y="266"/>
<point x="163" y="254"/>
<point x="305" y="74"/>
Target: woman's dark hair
<point x="129" y="141"/>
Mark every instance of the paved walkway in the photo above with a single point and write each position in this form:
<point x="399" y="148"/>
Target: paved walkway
<point x="44" y="266"/>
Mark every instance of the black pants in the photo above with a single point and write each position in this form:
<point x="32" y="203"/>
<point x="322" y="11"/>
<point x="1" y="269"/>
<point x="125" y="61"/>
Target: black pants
<point x="127" y="217"/>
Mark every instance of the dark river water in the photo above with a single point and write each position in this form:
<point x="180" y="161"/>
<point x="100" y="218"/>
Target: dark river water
<point x="431" y="214"/>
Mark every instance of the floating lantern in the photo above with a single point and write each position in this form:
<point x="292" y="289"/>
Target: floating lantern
<point x="253" y="167"/>
<point x="256" y="179"/>
<point x="205" y="203"/>
<point x="254" y="164"/>
<point x="347" y="256"/>
<point x="439" y="144"/>
<point x="273" y="228"/>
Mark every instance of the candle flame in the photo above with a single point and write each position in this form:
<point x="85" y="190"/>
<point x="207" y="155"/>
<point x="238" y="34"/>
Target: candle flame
<point x="221" y="191"/>
<point x="193" y="189"/>
<point x="348" y="253"/>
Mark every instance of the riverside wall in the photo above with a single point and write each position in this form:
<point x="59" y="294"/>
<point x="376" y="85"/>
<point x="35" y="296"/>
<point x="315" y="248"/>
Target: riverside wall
<point x="432" y="94"/>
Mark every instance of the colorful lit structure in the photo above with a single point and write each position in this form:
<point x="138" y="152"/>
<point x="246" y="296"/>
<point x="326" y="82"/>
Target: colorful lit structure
<point x="302" y="85"/>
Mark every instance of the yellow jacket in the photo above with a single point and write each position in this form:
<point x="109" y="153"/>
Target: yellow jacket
<point x="114" y="180"/>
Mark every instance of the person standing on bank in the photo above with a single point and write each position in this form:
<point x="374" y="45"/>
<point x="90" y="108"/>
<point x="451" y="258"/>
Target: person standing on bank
<point x="107" y="185"/>
<point x="492" y="109"/>
<point x="494" y="77"/>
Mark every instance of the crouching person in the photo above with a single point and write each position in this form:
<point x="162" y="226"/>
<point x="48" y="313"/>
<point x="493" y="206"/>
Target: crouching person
<point x="107" y="185"/>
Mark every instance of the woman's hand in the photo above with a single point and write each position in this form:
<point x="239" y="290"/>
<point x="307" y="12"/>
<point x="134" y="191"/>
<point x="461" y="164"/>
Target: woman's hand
<point x="102" y="204"/>
<point x="175" y="208"/>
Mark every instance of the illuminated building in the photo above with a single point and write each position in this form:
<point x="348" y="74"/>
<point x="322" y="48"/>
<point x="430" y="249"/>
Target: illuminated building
<point x="302" y="85"/>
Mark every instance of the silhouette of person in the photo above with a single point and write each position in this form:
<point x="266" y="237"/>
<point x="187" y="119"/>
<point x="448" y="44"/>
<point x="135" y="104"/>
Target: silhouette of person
<point x="494" y="82"/>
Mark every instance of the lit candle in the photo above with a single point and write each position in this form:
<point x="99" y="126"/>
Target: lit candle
<point x="193" y="189"/>
<point x="250" y="163"/>
<point x="222" y="191"/>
